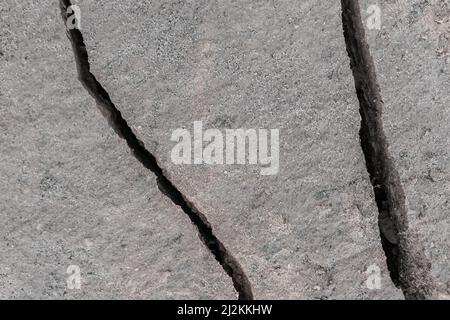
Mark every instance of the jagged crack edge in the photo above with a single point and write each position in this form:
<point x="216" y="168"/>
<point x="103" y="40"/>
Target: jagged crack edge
<point x="120" y="126"/>
<point x="406" y="261"/>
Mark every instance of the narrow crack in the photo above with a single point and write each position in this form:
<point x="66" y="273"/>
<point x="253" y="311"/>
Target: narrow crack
<point x="120" y="126"/>
<point x="406" y="261"/>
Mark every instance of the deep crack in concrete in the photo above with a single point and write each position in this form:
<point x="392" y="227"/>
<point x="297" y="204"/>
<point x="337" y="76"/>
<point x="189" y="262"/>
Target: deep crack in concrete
<point x="406" y="261"/>
<point x="120" y="126"/>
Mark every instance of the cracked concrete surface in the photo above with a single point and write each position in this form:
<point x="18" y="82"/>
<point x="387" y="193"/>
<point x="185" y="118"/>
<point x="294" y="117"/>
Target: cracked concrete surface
<point x="239" y="65"/>
<point x="73" y="194"/>
<point x="412" y="62"/>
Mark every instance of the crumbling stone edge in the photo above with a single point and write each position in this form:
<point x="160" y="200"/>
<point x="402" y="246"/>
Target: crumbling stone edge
<point x="405" y="255"/>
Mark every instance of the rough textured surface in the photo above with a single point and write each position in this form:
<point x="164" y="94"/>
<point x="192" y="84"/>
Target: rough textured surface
<point x="71" y="193"/>
<point x="308" y="232"/>
<point x="411" y="53"/>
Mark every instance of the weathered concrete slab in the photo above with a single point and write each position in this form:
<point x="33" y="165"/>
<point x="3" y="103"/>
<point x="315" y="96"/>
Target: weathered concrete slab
<point x="411" y="53"/>
<point x="71" y="194"/>
<point x="309" y="231"/>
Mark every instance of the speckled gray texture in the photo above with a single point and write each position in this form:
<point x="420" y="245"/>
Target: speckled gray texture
<point x="310" y="231"/>
<point x="71" y="194"/>
<point x="411" y="53"/>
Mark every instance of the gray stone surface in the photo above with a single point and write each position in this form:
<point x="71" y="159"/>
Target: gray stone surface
<point x="71" y="194"/>
<point x="308" y="232"/>
<point x="411" y="53"/>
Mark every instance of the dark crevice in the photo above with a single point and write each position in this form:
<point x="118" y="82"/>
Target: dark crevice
<point x="406" y="261"/>
<point x="120" y="126"/>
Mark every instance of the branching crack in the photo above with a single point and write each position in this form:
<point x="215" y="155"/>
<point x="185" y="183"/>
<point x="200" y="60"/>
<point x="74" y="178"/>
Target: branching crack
<point x="120" y="126"/>
<point x="406" y="261"/>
